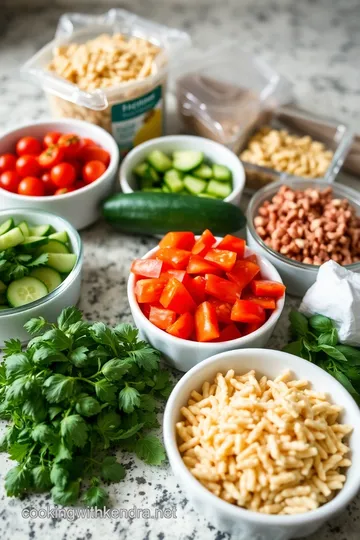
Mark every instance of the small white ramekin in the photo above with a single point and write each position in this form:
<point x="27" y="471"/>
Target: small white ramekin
<point x="184" y="354"/>
<point x="81" y="207"/>
<point x="245" y="524"/>
<point x="67" y="294"/>
<point x="215" y="152"/>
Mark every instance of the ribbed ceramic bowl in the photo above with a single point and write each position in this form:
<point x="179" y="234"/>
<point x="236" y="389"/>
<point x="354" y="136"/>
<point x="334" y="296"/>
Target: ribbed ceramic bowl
<point x="81" y="207"/>
<point x="12" y="320"/>
<point x="241" y="523"/>
<point x="184" y="354"/>
<point x="297" y="276"/>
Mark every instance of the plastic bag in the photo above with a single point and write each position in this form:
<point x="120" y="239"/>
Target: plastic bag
<point x="223" y="92"/>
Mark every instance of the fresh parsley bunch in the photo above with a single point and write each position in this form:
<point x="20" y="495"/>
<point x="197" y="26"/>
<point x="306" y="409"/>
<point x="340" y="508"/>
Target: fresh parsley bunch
<point x="78" y="390"/>
<point x="316" y="339"/>
<point x="15" y="265"/>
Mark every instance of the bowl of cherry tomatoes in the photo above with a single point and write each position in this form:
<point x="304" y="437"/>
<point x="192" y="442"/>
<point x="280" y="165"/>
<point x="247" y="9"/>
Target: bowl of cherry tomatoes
<point x="66" y="167"/>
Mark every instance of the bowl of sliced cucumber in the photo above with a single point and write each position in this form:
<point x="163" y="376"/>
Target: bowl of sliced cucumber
<point x="41" y="260"/>
<point x="184" y="164"/>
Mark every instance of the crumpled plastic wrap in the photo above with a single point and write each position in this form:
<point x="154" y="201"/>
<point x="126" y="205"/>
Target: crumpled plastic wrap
<point x="336" y="294"/>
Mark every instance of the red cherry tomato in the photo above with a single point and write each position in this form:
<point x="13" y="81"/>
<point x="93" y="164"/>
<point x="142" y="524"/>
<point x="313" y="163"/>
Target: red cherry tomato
<point x="63" y="175"/>
<point x="77" y="166"/>
<point x="94" y="153"/>
<point x="71" y="144"/>
<point x="87" y="142"/>
<point x="49" y="185"/>
<point x="63" y="190"/>
<point x="92" y="171"/>
<point x="28" y="166"/>
<point x="78" y="185"/>
<point x="51" y="138"/>
<point x="28" y="146"/>
<point x="53" y="155"/>
<point x="31" y="186"/>
<point x="9" y="180"/>
<point x="7" y="162"/>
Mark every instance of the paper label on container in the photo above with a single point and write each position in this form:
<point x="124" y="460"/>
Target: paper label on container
<point x="137" y="120"/>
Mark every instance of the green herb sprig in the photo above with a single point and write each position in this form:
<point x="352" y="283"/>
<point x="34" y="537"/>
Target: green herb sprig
<point x="76" y="392"/>
<point x="316" y="339"/>
<point x="15" y="265"/>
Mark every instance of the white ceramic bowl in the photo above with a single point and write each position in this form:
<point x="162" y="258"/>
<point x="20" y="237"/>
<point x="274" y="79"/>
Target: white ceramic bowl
<point x="183" y="354"/>
<point x="298" y="277"/>
<point x="215" y="152"/>
<point x="67" y="294"/>
<point x="245" y="524"/>
<point x="81" y="207"/>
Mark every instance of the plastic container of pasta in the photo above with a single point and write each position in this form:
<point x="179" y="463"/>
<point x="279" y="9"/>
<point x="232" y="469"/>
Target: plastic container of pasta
<point x="130" y="107"/>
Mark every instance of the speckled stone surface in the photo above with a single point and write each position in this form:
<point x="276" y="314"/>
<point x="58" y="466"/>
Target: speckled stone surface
<point x="316" y="45"/>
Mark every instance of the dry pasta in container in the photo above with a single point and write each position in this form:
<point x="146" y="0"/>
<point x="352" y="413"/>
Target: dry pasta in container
<point x="110" y="70"/>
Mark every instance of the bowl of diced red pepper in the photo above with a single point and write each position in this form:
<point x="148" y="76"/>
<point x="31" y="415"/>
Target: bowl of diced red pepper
<point x="192" y="297"/>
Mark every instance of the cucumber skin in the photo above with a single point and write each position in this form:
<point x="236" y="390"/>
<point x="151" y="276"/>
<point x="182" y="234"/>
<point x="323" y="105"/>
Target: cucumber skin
<point x="159" y="213"/>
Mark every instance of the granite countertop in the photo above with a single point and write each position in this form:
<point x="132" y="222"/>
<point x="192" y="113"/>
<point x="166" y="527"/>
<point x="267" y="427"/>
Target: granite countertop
<point x="316" y="45"/>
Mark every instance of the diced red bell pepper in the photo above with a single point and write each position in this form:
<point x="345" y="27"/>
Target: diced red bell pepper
<point x="198" y="265"/>
<point x="149" y="290"/>
<point x="206" y="324"/>
<point x="180" y="275"/>
<point x="221" y="288"/>
<point x="177" y="258"/>
<point x="249" y="328"/>
<point x="180" y="240"/>
<point x="243" y="272"/>
<point x="263" y="287"/>
<point x="223" y="310"/>
<point x="228" y="333"/>
<point x="162" y="318"/>
<point x="204" y="243"/>
<point x="196" y="287"/>
<point x="176" y="297"/>
<point x="252" y="258"/>
<point x="232" y="243"/>
<point x="265" y="302"/>
<point x="222" y="258"/>
<point x="183" y="327"/>
<point x="150" y="268"/>
<point x="247" y="312"/>
<point x="145" y="308"/>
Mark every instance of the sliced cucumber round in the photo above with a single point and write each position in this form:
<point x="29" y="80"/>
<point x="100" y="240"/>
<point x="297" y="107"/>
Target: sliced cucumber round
<point x="186" y="160"/>
<point x="11" y="238"/>
<point x="25" y="290"/>
<point x="49" y="276"/>
<point x="62" y="262"/>
<point x="6" y="226"/>
<point x="31" y="242"/>
<point x="61" y="236"/>
<point x="54" y="246"/>
<point x="41" y="230"/>
<point x="24" y="227"/>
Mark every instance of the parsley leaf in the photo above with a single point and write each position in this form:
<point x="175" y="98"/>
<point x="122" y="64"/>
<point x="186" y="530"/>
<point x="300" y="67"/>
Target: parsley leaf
<point x="66" y="496"/>
<point x="150" y="450"/>
<point x="129" y="398"/>
<point x="74" y="430"/>
<point x="87" y="406"/>
<point x="95" y="496"/>
<point x="12" y="346"/>
<point x="17" y="481"/>
<point x="68" y="317"/>
<point x="105" y="335"/>
<point x="33" y="326"/>
<point x="41" y="478"/>
<point x="58" y="387"/>
<point x="111" y="470"/>
<point x="115" y="369"/>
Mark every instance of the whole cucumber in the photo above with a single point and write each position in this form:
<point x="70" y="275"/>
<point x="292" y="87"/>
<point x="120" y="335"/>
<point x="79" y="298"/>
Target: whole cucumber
<point x="158" y="213"/>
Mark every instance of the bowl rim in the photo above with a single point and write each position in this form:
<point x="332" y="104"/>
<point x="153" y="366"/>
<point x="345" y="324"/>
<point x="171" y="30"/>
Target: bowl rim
<point x="112" y="167"/>
<point x="271" y="321"/>
<point x="271" y="190"/>
<point x="123" y="171"/>
<point x="342" y="498"/>
<point x="67" y="281"/>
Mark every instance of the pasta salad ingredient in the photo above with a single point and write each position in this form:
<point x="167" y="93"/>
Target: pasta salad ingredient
<point x="270" y="446"/>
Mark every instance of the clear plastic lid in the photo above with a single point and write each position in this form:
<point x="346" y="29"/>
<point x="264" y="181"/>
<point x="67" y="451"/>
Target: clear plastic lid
<point x="221" y="93"/>
<point x="79" y="28"/>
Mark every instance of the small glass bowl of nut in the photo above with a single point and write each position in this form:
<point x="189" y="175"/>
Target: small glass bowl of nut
<point x="300" y="224"/>
<point x="291" y="145"/>
<point x="110" y="70"/>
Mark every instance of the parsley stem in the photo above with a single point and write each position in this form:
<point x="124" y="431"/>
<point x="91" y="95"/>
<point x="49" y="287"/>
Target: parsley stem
<point x="83" y="379"/>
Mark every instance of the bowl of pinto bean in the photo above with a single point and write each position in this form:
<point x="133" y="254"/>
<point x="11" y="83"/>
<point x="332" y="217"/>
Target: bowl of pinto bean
<point x="300" y="224"/>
